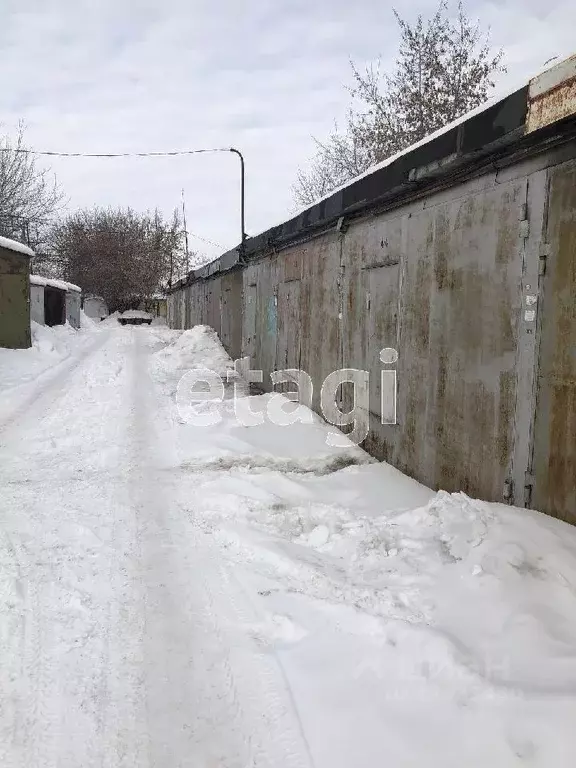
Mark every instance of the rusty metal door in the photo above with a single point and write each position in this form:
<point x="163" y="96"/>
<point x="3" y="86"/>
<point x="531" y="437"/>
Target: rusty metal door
<point x="553" y="471"/>
<point x="288" y="338"/>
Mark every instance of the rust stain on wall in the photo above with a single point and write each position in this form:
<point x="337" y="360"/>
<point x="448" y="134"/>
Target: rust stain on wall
<point x="443" y="281"/>
<point x="552" y="95"/>
<point x="555" y="427"/>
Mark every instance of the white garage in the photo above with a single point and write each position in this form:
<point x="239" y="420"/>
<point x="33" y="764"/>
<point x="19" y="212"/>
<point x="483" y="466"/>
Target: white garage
<point x="54" y="302"/>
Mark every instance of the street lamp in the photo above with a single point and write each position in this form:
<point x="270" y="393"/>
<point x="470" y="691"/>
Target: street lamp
<point x="242" y="201"/>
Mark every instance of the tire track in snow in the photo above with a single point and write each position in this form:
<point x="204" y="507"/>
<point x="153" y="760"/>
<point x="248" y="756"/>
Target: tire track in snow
<point x="122" y="722"/>
<point x="55" y="653"/>
<point x="260" y="678"/>
<point x="234" y="709"/>
<point x="47" y="390"/>
<point x="11" y="629"/>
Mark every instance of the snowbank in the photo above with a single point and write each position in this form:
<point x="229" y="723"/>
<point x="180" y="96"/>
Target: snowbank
<point x="495" y="583"/>
<point x="415" y="628"/>
<point x="87" y="322"/>
<point x="49" y="347"/>
<point x="246" y="587"/>
<point x="19" y="368"/>
<point x="194" y="349"/>
<point x="111" y="319"/>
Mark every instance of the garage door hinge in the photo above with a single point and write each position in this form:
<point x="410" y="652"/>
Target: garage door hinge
<point x="542" y="257"/>
<point x="528" y="486"/>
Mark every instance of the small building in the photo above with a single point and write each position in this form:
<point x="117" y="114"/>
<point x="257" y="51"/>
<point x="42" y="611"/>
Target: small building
<point x="54" y="302"/>
<point x="95" y="307"/>
<point x="14" y="294"/>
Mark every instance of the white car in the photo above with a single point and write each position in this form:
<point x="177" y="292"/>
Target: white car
<point x="135" y="317"/>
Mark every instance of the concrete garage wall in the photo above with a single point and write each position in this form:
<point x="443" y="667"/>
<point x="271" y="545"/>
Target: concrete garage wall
<point x="553" y="465"/>
<point x="14" y="295"/>
<point x="440" y="282"/>
<point x="470" y="275"/>
<point x="231" y="312"/>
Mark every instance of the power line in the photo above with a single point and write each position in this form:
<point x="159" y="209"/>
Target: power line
<point x="171" y="153"/>
<point x="205" y="240"/>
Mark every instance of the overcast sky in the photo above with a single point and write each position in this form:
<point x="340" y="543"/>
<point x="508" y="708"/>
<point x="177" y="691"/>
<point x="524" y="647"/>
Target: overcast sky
<point x="264" y="76"/>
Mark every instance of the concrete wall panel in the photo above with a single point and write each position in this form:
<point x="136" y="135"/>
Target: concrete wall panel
<point x="555" y="426"/>
<point x="445" y="280"/>
<point x="14" y="300"/>
<point x="231" y="312"/>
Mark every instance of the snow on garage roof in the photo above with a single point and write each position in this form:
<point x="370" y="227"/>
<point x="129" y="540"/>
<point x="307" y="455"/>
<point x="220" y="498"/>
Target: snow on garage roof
<point x="14" y="245"/>
<point x="51" y="283"/>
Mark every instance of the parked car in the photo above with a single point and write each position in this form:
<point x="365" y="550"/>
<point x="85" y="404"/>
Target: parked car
<point x="134" y="317"/>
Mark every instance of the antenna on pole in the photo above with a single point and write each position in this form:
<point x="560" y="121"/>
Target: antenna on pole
<point x="185" y="233"/>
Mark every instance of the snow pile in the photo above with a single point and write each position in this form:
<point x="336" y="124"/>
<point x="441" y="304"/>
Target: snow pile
<point x="49" y="347"/>
<point x="249" y="594"/>
<point x="496" y="580"/>
<point x="196" y="349"/>
<point x="407" y="619"/>
<point x="111" y="319"/>
<point x="402" y="616"/>
<point x="87" y="322"/>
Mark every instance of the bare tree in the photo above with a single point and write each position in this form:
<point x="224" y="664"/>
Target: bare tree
<point x="338" y="159"/>
<point x="121" y="255"/>
<point x="29" y="197"/>
<point x="444" y="69"/>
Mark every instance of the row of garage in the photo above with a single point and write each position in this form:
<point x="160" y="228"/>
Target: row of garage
<point x="459" y="258"/>
<point x="54" y="302"/>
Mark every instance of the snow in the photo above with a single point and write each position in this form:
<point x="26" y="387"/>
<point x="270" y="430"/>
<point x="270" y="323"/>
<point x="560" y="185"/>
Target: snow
<point x="39" y="280"/>
<point x="196" y="348"/>
<point x="111" y="320"/>
<point x="86" y="321"/>
<point x="136" y="313"/>
<point x="14" y="245"/>
<point x="22" y="369"/>
<point x="250" y="595"/>
<point x="53" y="283"/>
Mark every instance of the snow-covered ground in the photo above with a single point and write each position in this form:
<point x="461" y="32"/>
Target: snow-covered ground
<point x="231" y="596"/>
<point x="21" y="370"/>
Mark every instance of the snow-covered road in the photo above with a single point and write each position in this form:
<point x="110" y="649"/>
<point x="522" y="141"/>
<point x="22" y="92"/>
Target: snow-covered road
<point x="183" y="597"/>
<point x="123" y="647"/>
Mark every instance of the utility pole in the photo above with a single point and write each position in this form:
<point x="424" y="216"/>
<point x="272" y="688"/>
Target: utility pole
<point x="185" y="233"/>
